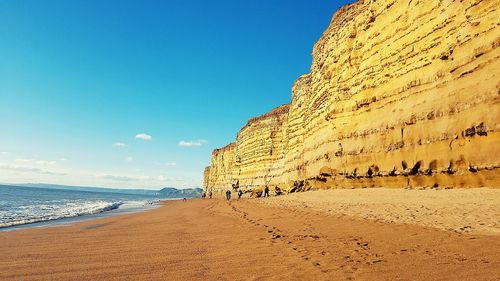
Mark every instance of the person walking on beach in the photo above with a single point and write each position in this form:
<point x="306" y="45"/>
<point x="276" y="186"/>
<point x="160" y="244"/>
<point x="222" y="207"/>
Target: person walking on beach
<point x="266" y="191"/>
<point x="210" y="194"/>
<point x="228" y="195"/>
<point x="240" y="193"/>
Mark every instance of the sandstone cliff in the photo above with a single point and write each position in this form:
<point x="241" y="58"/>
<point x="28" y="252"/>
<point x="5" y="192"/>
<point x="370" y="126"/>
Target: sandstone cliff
<point x="401" y="93"/>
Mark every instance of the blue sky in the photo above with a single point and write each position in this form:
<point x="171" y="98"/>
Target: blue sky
<point x="80" y="81"/>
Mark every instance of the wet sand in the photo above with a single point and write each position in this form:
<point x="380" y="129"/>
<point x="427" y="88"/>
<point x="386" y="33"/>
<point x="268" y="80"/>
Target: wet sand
<point x="250" y="240"/>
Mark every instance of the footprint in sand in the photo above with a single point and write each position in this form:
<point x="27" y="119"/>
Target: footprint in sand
<point x="363" y="245"/>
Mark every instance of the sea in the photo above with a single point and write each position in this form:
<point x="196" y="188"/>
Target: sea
<point x="22" y="207"/>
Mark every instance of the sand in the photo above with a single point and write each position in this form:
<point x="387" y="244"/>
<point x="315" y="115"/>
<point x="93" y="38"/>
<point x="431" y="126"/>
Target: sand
<point x="460" y="210"/>
<point x="256" y="239"/>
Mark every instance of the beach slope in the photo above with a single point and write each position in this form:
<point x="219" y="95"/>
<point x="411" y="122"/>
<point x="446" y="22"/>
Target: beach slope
<point x="216" y="240"/>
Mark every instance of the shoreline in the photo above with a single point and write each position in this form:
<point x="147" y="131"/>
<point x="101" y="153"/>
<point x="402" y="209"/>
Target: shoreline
<point x="85" y="217"/>
<point x="251" y="239"/>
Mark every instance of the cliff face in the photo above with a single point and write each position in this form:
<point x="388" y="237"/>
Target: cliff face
<point x="222" y="171"/>
<point x="260" y="149"/>
<point x="400" y="93"/>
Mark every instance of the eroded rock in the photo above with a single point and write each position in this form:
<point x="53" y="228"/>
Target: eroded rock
<point x="387" y="88"/>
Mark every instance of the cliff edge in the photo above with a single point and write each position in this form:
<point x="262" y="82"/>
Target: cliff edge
<point x="401" y="93"/>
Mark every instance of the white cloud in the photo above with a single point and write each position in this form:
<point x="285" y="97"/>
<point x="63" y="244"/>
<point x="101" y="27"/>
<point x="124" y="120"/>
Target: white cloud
<point x="120" y="178"/>
<point x="199" y="142"/>
<point x="133" y="178"/>
<point x="63" y="159"/>
<point x="35" y="161"/>
<point x="29" y="170"/>
<point x="169" y="164"/>
<point x="143" y="136"/>
<point x="129" y="159"/>
<point x="4" y="152"/>
<point x="119" y="144"/>
<point x="43" y="162"/>
<point x="162" y="178"/>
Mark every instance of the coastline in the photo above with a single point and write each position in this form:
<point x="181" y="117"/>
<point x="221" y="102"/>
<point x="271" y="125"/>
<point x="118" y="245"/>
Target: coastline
<point x="86" y="217"/>
<point x="248" y="240"/>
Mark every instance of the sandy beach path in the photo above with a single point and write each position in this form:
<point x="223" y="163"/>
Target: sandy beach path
<point x="214" y="240"/>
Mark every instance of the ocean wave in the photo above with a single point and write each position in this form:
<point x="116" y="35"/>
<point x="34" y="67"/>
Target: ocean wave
<point x="48" y="212"/>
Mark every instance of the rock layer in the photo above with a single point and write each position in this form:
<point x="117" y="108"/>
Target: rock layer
<point x="400" y="94"/>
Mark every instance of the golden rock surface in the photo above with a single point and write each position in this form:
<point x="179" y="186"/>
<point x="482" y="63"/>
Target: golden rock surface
<point x="401" y="93"/>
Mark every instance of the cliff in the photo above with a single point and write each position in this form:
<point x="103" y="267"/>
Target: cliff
<point x="400" y="94"/>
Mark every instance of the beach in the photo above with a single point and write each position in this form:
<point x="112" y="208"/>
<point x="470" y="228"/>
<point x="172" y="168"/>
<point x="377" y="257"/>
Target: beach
<point x="250" y="140"/>
<point x="460" y="210"/>
<point x="277" y="238"/>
